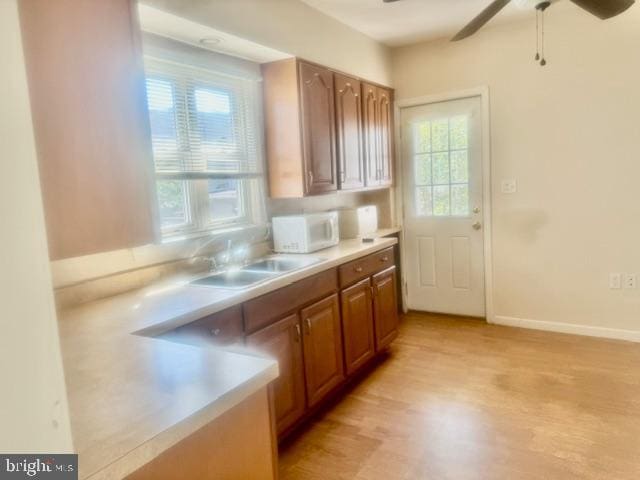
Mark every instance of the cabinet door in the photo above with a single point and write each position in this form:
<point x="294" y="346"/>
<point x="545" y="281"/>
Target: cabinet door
<point x="385" y="307"/>
<point x="318" y="128"/>
<point x="91" y="124"/>
<point x="385" y="136"/>
<point x="371" y="111"/>
<point x="357" y="325"/>
<point x="350" y="151"/>
<point x="282" y="340"/>
<point x="322" y="340"/>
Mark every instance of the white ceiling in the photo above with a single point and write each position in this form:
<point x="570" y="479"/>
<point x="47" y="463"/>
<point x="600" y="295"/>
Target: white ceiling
<point x="411" y="21"/>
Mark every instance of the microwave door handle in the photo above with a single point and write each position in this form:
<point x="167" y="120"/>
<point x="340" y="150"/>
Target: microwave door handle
<point x="332" y="229"/>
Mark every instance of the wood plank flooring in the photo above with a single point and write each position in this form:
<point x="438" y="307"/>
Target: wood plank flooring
<point x="460" y="399"/>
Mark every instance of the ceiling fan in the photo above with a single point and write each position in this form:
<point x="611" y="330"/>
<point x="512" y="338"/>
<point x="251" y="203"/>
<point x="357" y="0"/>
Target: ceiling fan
<point x="602" y="9"/>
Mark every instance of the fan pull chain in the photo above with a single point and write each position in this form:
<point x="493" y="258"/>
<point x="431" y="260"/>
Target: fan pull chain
<point x="537" y="35"/>
<point x="543" y="61"/>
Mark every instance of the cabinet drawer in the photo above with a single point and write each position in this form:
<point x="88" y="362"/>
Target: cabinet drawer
<point x="221" y="328"/>
<point x="366" y="266"/>
<point x="264" y="310"/>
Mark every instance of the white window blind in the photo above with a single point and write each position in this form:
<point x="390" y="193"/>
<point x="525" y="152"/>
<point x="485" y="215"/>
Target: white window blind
<point x="205" y="131"/>
<point x="204" y="124"/>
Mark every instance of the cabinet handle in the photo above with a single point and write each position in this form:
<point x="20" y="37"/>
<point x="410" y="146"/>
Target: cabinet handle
<point x="373" y="291"/>
<point x="298" y="332"/>
<point x="215" y="332"/>
<point x="358" y="269"/>
<point x="310" y="174"/>
<point x="384" y="259"/>
<point x="308" y="321"/>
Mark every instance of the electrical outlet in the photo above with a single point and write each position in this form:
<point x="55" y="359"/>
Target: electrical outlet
<point x="631" y="280"/>
<point x="615" y="281"/>
<point x="509" y="186"/>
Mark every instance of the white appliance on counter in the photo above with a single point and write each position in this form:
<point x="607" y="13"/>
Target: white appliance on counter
<point x="305" y="233"/>
<point x="358" y="222"/>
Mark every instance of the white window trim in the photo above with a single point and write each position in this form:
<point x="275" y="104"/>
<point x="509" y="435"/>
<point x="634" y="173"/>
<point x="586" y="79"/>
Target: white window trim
<point x="253" y="186"/>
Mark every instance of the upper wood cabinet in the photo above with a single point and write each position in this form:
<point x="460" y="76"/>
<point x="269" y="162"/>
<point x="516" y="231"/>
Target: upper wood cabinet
<point x="385" y="133"/>
<point x="378" y="133"/>
<point x="282" y="340"/>
<point x="325" y="130"/>
<point x="318" y="128"/>
<point x="322" y="341"/>
<point x="299" y="128"/>
<point x="87" y="89"/>
<point x="350" y="147"/>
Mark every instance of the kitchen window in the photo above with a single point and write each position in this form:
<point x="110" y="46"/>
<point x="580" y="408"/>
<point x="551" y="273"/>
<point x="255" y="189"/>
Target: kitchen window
<point x="205" y="130"/>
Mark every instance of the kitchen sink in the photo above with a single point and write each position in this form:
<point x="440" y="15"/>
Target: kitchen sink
<point x="257" y="272"/>
<point x="281" y="264"/>
<point x="234" y="279"/>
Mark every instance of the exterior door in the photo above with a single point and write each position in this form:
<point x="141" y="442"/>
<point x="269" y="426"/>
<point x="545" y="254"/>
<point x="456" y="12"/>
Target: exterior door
<point x="385" y="307"/>
<point x="357" y="325"/>
<point x="443" y="211"/>
<point x="318" y="128"/>
<point x="282" y="340"/>
<point x="322" y="340"/>
<point x="349" y="132"/>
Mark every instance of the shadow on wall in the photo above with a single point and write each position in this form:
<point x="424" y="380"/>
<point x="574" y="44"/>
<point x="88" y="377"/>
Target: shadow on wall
<point x="524" y="223"/>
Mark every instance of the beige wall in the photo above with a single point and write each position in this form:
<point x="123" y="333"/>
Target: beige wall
<point x="570" y="134"/>
<point x="292" y="27"/>
<point x="33" y="405"/>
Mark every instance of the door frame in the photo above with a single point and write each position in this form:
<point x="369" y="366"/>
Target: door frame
<point x="483" y="94"/>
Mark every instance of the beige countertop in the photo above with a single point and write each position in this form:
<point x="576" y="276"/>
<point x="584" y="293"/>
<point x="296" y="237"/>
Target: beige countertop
<point x="132" y="396"/>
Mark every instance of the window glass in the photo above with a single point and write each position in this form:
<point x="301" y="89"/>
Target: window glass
<point x="442" y="176"/>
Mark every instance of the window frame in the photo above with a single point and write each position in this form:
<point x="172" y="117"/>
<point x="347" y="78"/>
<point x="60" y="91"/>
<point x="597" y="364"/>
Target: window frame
<point x="250" y="186"/>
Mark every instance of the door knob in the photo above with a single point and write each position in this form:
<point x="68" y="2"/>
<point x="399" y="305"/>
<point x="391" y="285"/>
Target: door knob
<point x="477" y="226"/>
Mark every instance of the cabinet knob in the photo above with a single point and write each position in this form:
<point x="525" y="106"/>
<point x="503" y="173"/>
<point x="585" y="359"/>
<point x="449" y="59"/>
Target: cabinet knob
<point x="384" y="259"/>
<point x="358" y="269"/>
<point x="215" y="332"/>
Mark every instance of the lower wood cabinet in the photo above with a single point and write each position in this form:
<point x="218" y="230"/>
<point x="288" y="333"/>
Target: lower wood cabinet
<point x="357" y="325"/>
<point x="283" y="341"/>
<point x="322" y="341"/>
<point x="385" y="307"/>
<point x="317" y="335"/>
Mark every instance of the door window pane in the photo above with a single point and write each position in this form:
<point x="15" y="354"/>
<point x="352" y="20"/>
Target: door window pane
<point x="446" y="168"/>
<point x="460" y="200"/>
<point x="441" y="201"/>
<point x="441" y="168"/>
<point x="458" y="132"/>
<point x="424" y="203"/>
<point x="423" y="169"/>
<point x="459" y="167"/>
<point x="423" y="137"/>
<point x="173" y="203"/>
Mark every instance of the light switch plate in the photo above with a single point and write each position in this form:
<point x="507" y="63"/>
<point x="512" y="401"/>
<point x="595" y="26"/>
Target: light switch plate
<point x="509" y="186"/>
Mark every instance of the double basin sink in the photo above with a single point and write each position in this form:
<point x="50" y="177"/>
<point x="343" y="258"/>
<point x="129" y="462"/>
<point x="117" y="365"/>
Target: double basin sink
<point x="257" y="272"/>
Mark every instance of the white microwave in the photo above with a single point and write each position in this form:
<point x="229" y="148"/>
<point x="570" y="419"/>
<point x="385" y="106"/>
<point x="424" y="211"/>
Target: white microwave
<point x="305" y="233"/>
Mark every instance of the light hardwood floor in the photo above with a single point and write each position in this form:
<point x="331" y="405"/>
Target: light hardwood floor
<point x="459" y="399"/>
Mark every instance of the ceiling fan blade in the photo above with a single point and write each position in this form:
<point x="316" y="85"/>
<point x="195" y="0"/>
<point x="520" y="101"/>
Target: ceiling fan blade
<point x="478" y="22"/>
<point x="604" y="9"/>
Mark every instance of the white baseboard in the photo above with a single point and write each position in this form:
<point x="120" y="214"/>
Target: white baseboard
<point x="587" y="330"/>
